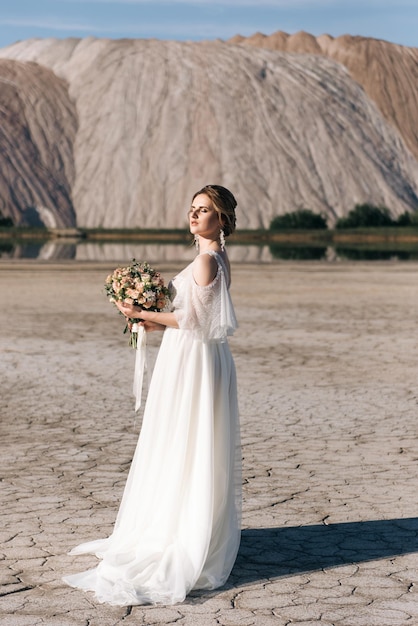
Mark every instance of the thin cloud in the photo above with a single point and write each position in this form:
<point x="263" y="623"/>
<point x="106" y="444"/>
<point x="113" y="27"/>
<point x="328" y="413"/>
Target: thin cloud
<point x="52" y="23"/>
<point x="157" y="29"/>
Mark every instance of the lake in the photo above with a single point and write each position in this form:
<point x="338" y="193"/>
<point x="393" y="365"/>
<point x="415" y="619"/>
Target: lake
<point x="81" y="250"/>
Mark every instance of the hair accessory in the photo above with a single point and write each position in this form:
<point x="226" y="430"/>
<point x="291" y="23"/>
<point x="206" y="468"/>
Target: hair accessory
<point x="222" y="240"/>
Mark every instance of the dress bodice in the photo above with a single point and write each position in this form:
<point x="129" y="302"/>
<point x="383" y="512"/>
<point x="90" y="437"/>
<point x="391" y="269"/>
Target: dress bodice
<point x="206" y="310"/>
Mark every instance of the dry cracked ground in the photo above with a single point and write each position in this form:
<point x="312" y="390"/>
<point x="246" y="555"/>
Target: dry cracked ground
<point x="327" y="359"/>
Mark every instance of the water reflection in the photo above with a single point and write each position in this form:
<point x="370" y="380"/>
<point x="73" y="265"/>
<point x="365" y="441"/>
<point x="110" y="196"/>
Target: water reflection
<point x="44" y="251"/>
<point x="121" y="252"/>
<point x="299" y="253"/>
<point x="332" y="253"/>
<point x="163" y="252"/>
<point x="54" y="250"/>
<point x="370" y="254"/>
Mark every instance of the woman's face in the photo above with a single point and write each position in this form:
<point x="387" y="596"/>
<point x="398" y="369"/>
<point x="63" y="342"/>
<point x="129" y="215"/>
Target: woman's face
<point x="203" y="218"/>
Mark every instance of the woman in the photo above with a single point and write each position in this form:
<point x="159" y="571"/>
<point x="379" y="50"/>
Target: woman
<point x="178" y="526"/>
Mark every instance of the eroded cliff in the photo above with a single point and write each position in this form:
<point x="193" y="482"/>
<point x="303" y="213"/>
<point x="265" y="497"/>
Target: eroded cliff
<point x="158" y="119"/>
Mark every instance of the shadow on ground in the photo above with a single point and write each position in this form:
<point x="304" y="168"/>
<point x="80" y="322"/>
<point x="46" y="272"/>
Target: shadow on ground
<point x="276" y="552"/>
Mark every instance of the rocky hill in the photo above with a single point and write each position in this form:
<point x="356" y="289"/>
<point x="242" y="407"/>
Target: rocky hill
<point x="37" y="132"/>
<point x="387" y="72"/>
<point x="133" y="127"/>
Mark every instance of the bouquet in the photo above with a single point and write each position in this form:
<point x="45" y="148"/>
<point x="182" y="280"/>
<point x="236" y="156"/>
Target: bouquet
<point x="137" y="284"/>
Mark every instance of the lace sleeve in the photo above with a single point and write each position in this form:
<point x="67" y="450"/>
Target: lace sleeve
<point x="205" y="310"/>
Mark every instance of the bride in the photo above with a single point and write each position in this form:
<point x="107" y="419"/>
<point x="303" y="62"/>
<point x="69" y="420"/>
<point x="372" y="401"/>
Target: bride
<point x="178" y="526"/>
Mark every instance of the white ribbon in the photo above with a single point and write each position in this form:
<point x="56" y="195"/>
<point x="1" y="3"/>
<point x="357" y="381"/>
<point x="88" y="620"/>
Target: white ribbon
<point x="140" y="363"/>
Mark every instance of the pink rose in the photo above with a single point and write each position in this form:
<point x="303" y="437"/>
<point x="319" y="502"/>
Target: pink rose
<point x="132" y="293"/>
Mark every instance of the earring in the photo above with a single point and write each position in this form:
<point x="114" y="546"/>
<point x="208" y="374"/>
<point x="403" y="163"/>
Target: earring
<point x="222" y="240"/>
<point x="196" y="242"/>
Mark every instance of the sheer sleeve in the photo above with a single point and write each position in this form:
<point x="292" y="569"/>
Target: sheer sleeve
<point x="206" y="310"/>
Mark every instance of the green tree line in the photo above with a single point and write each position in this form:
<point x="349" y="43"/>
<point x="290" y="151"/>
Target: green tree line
<point x="361" y="216"/>
<point x="5" y="221"/>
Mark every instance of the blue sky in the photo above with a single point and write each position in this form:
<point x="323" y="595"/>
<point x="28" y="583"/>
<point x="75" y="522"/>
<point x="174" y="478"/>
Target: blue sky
<point x="393" y="20"/>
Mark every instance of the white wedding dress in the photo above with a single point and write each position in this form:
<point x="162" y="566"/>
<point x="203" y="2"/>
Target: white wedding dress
<point x="178" y="526"/>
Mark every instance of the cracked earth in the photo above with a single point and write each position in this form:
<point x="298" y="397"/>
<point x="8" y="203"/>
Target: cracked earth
<point x="327" y="360"/>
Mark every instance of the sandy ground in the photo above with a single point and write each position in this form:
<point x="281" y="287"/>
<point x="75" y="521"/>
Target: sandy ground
<point x="327" y="359"/>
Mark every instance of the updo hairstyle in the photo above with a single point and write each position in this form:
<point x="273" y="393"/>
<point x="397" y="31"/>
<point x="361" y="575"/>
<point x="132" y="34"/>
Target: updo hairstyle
<point x="224" y="203"/>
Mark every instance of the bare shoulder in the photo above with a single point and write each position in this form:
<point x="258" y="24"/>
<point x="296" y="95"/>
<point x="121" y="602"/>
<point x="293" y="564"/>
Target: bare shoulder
<point x="205" y="268"/>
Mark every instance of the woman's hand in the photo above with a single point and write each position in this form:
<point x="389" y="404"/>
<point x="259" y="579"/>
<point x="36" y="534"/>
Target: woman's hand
<point x="151" y="320"/>
<point x="151" y="326"/>
<point x="148" y="322"/>
<point x="130" y="311"/>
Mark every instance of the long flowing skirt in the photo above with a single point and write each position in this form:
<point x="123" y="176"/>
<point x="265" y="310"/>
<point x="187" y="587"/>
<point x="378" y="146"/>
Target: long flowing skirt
<point x="178" y="526"/>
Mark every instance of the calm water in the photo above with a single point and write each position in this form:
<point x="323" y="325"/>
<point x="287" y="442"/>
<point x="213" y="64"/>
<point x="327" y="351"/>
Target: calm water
<point x="53" y="250"/>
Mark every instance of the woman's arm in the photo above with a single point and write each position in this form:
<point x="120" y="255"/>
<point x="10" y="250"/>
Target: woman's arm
<point x="163" y="318"/>
<point x="149" y="318"/>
